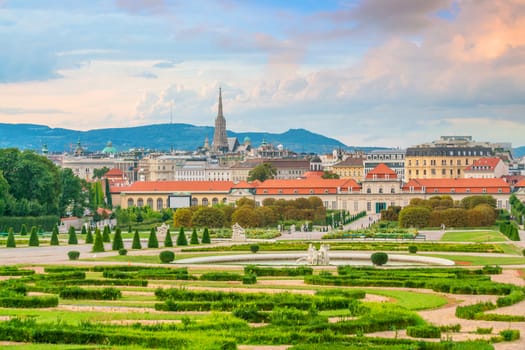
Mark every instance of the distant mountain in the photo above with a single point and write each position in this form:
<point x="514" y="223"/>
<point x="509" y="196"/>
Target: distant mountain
<point x="518" y="152"/>
<point x="157" y="137"/>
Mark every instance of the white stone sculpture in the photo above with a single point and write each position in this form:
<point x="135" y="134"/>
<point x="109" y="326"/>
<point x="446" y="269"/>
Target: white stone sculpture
<point x="238" y="234"/>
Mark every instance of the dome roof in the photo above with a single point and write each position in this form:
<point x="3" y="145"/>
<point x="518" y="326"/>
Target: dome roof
<point x="109" y="148"/>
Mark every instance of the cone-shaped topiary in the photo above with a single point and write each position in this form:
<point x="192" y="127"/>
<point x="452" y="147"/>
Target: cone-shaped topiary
<point x="129" y="229"/>
<point x="181" y="239"/>
<point x="23" y="230"/>
<point x="194" y="238"/>
<point x="98" y="246"/>
<point x="117" y="240"/>
<point x="83" y="231"/>
<point x="152" y="240"/>
<point x="206" y="236"/>
<point x="105" y="234"/>
<point x="54" y="236"/>
<point x="89" y="236"/>
<point x="136" y="241"/>
<point x="11" y="243"/>
<point x="33" y="239"/>
<point x="167" y="241"/>
<point x="72" y="236"/>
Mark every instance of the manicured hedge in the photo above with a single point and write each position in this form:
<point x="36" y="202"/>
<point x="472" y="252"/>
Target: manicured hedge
<point x="221" y="276"/>
<point x="424" y="332"/>
<point x="29" y="302"/>
<point x="278" y="271"/>
<point x="46" y="222"/>
<point x="97" y="294"/>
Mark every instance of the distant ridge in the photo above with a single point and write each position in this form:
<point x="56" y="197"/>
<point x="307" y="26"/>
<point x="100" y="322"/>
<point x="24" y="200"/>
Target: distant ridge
<point x="162" y="137"/>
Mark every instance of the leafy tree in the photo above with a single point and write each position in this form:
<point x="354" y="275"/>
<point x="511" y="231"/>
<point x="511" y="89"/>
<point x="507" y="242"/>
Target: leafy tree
<point x="391" y="214"/>
<point x="194" y="238"/>
<point x="6" y="199"/>
<point x="181" y="238"/>
<point x="99" y="173"/>
<point x="379" y="258"/>
<point x="97" y="195"/>
<point x="262" y="172"/>
<point x="54" y="236"/>
<point x="98" y="246"/>
<point x="74" y="194"/>
<point x="11" y="242"/>
<point x="245" y="202"/>
<point x="182" y="217"/>
<point x="267" y="216"/>
<point x="168" y="242"/>
<point x="208" y="217"/>
<point x="23" y="230"/>
<point x="136" y="241"/>
<point x="227" y="210"/>
<point x="89" y="236"/>
<point x="117" y="240"/>
<point x="471" y="202"/>
<point x="329" y="175"/>
<point x="106" y="234"/>
<point x="206" y="236"/>
<point x="246" y="217"/>
<point x="33" y="239"/>
<point x="152" y="240"/>
<point x="414" y="216"/>
<point x="72" y="236"/>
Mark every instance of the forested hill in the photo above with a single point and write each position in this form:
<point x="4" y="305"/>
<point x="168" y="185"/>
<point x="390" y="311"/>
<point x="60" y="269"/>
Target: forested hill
<point x="158" y="137"/>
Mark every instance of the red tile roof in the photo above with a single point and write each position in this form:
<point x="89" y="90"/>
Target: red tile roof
<point x="520" y="183"/>
<point x="381" y="171"/>
<point x="114" y="173"/>
<point x="483" y="164"/>
<point x="176" y="186"/>
<point x="474" y="186"/>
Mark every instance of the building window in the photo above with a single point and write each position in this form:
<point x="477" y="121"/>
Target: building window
<point x="356" y="206"/>
<point x="484" y="190"/>
<point x="368" y="190"/>
<point x="140" y="202"/>
<point x="130" y="202"/>
<point x="205" y="202"/>
<point x="443" y="171"/>
<point x="499" y="204"/>
<point x="368" y="206"/>
<point x="280" y="191"/>
<point x="160" y="203"/>
<point x="436" y="190"/>
<point x="392" y="190"/>
<point x="500" y="190"/>
<point x="380" y="190"/>
<point x="452" y="190"/>
<point x="295" y="191"/>
<point x="149" y="202"/>
<point x="265" y="191"/>
<point x="214" y="201"/>
<point x="194" y="202"/>
<point x="468" y="190"/>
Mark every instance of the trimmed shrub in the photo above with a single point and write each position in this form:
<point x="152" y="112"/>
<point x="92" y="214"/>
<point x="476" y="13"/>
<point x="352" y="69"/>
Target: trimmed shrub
<point x="33" y="239"/>
<point x="168" y="242"/>
<point x="181" y="238"/>
<point x="412" y="249"/>
<point x="510" y="334"/>
<point x="83" y="230"/>
<point x="194" y="238"/>
<point x="206" y="237"/>
<point x="379" y="258"/>
<point x="73" y="254"/>
<point x="23" y="230"/>
<point x="97" y="294"/>
<point x="480" y="330"/>
<point x="166" y="256"/>
<point x="11" y="243"/>
<point x="249" y="279"/>
<point x="136" y="240"/>
<point x="250" y="313"/>
<point x="424" y="332"/>
<point x="152" y="240"/>
<point x="117" y="240"/>
<point x="106" y="234"/>
<point x="98" y="246"/>
<point x="220" y="276"/>
<point x="122" y="251"/>
<point x="54" y="236"/>
<point x="254" y="248"/>
<point x="89" y="237"/>
<point x="72" y="236"/>
<point x="28" y="302"/>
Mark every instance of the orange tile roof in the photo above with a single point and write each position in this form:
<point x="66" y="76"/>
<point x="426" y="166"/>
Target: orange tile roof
<point x="489" y="163"/>
<point x="381" y="171"/>
<point x="520" y="183"/>
<point x="114" y="173"/>
<point x="474" y="186"/>
<point x="307" y="186"/>
<point x="176" y="186"/>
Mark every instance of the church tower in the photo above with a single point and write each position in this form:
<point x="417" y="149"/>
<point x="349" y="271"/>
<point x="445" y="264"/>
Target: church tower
<point x="220" y="140"/>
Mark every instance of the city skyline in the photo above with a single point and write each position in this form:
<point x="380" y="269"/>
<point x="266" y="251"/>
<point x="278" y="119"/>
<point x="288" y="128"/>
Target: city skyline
<point x="368" y="73"/>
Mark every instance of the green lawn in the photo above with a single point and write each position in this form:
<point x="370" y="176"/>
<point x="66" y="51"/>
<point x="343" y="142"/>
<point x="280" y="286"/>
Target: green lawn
<point x="481" y="260"/>
<point x="411" y="300"/>
<point x="474" y="236"/>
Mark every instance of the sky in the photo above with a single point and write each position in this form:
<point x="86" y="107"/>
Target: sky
<point x="392" y="73"/>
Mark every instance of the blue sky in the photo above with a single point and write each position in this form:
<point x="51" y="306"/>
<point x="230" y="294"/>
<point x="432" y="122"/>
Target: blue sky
<point x="378" y="72"/>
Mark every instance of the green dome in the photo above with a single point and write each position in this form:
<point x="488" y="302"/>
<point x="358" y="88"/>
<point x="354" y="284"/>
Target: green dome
<point x="247" y="139"/>
<point x="109" y="149"/>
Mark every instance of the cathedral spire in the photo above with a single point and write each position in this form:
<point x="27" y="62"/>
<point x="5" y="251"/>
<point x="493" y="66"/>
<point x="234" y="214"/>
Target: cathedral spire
<point x="220" y="140"/>
<point x="219" y="114"/>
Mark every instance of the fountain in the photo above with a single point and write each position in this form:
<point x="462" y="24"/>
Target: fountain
<point x="316" y="257"/>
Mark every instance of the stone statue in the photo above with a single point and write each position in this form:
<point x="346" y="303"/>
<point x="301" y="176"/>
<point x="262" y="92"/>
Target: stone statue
<point x="162" y="229"/>
<point x="238" y="234"/>
<point x="316" y="257"/>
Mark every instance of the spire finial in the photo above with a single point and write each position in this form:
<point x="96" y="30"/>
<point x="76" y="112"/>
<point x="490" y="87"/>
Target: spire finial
<point x="219" y="114"/>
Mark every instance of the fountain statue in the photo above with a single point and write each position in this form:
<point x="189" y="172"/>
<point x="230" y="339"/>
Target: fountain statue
<point x="316" y="257"/>
<point x="238" y="234"/>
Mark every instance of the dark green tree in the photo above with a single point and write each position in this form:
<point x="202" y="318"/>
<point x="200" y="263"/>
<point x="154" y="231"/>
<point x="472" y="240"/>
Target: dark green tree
<point x="152" y="240"/>
<point x="117" y="240"/>
<point x="168" y="242"/>
<point x="208" y="217"/>
<point x="83" y="230"/>
<point x="206" y="236"/>
<point x="54" y="236"/>
<point x="98" y="246"/>
<point x="72" y="236"/>
<point x="136" y="241"/>
<point x="23" y="230"/>
<point x="262" y="172"/>
<point x="33" y="239"/>
<point x="11" y="243"/>
<point x="106" y="234"/>
<point x="379" y="258"/>
<point x="74" y="194"/>
<point x="89" y="236"/>
<point x="194" y="237"/>
<point x="109" y="201"/>
<point x="181" y="238"/>
<point x="99" y="173"/>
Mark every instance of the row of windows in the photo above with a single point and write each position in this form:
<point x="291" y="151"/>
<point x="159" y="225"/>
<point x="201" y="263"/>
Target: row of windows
<point x="161" y="202"/>
<point x="434" y="172"/>
<point x="443" y="162"/>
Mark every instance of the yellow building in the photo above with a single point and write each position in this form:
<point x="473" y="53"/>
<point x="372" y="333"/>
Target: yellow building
<point x="350" y="168"/>
<point x="446" y="158"/>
